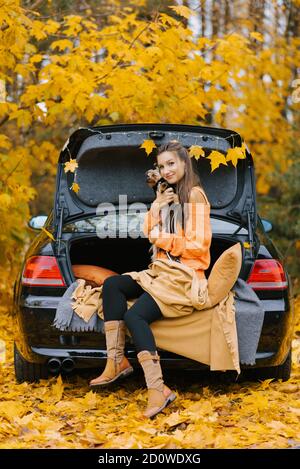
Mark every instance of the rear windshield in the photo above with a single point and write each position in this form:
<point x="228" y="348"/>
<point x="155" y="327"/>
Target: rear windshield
<point x="129" y="224"/>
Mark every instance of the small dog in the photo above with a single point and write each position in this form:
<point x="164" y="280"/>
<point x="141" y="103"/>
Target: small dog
<point x="158" y="184"/>
<point x="155" y="181"/>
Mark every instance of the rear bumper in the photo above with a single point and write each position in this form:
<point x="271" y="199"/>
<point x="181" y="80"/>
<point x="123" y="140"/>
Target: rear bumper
<point x="84" y="359"/>
<point x="97" y="358"/>
<point x="38" y="340"/>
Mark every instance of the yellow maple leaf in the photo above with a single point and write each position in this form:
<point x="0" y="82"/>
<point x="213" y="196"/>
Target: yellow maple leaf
<point x="276" y="425"/>
<point x="196" y="151"/>
<point x="37" y="30"/>
<point x="114" y="116"/>
<point x="36" y="58"/>
<point x="148" y="145"/>
<point x="81" y="102"/>
<point x="167" y="19"/>
<point x="89" y="400"/>
<point x="175" y="419"/>
<point x="51" y="27"/>
<point x="266" y="383"/>
<point x="62" y="44"/>
<point x="50" y="235"/>
<point x="12" y="409"/>
<point x="74" y="26"/>
<point x="154" y="50"/>
<point x="24" y="118"/>
<point x="5" y="142"/>
<point x="216" y="158"/>
<point x="258" y="36"/>
<point x="183" y="11"/>
<point x="57" y="390"/>
<point x="5" y="200"/>
<point x="289" y="388"/>
<point x="235" y="154"/>
<point x="75" y="187"/>
<point x="71" y="165"/>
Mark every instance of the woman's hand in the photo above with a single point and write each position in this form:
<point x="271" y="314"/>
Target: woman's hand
<point x="176" y="199"/>
<point x="166" y="197"/>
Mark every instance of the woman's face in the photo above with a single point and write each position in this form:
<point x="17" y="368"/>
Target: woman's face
<point x="170" y="166"/>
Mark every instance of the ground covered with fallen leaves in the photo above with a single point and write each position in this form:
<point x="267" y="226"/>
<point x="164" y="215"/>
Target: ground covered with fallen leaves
<point x="65" y="413"/>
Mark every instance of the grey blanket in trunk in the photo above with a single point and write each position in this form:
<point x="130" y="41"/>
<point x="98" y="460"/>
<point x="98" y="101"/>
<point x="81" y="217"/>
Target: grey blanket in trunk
<point x="67" y="320"/>
<point x="249" y="315"/>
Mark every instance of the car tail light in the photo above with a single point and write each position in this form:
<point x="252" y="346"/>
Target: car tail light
<point x="267" y="274"/>
<point x="42" y="271"/>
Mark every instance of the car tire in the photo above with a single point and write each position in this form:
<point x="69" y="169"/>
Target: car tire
<point x="27" y="371"/>
<point x="282" y="371"/>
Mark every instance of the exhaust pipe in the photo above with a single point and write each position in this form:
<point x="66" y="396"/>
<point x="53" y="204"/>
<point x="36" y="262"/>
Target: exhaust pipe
<point x="68" y="365"/>
<point x="54" y="365"/>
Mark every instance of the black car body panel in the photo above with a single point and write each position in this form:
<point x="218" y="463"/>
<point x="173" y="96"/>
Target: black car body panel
<point x="103" y="173"/>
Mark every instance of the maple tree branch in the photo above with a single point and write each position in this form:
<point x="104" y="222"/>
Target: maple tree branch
<point x="13" y="170"/>
<point x="130" y="46"/>
<point x="36" y="4"/>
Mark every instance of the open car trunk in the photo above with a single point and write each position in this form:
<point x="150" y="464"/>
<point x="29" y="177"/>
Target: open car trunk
<point x="126" y="255"/>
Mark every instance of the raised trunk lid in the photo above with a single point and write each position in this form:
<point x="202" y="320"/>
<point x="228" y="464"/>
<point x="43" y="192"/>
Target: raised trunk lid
<point x="111" y="163"/>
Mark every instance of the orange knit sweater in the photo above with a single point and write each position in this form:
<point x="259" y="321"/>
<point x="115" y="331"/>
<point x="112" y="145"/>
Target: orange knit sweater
<point x="193" y="245"/>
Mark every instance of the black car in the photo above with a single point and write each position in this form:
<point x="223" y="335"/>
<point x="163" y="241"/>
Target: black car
<point x="111" y="162"/>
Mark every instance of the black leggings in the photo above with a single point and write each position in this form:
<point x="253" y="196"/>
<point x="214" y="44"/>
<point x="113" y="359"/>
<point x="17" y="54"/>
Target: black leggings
<point x="116" y="290"/>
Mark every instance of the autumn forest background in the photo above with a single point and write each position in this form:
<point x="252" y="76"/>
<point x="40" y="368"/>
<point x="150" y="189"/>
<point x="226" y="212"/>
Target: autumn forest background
<point x="69" y="64"/>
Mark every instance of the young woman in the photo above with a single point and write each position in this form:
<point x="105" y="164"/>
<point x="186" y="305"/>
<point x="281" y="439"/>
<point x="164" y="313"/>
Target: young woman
<point x="190" y="243"/>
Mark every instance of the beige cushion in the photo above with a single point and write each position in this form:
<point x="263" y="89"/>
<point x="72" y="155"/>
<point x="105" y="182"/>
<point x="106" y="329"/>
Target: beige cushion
<point x="93" y="274"/>
<point x="224" y="274"/>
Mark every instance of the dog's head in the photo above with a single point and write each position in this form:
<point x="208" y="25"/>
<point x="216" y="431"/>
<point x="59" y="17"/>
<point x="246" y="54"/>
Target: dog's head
<point x="155" y="181"/>
<point x="152" y="177"/>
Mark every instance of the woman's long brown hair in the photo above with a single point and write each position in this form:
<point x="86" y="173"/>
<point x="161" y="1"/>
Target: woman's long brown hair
<point x="190" y="178"/>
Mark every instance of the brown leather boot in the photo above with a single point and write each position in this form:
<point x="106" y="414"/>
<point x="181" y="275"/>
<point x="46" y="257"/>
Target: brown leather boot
<point x="159" y="395"/>
<point x="117" y="365"/>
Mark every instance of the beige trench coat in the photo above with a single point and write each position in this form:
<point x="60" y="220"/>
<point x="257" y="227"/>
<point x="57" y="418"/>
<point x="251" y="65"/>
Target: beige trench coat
<point x="189" y="328"/>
